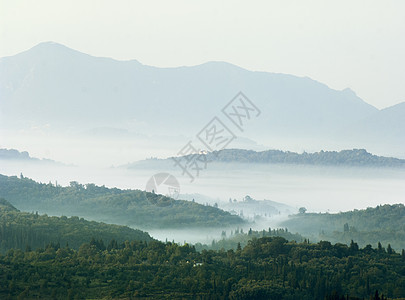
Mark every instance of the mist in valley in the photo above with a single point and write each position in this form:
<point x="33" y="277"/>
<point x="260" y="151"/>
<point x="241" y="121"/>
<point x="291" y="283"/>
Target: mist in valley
<point x="225" y="185"/>
<point x="202" y="150"/>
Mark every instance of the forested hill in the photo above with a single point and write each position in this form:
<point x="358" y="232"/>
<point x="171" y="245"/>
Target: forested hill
<point x="126" y="207"/>
<point x="355" y="157"/>
<point x="384" y="223"/>
<point x="20" y="230"/>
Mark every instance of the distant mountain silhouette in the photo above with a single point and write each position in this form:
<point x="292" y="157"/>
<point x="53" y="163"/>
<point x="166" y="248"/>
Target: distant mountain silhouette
<point x="52" y="85"/>
<point x="348" y="158"/>
<point x="15" y="155"/>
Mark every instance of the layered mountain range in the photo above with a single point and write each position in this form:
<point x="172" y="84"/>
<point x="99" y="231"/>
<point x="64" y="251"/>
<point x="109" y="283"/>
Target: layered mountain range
<point x="53" y="87"/>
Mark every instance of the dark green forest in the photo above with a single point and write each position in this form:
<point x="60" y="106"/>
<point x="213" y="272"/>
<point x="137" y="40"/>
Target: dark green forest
<point x="24" y="231"/>
<point x="71" y="258"/>
<point x="355" y="157"/>
<point x="111" y="205"/>
<point x="384" y="223"/>
<point x="266" y="268"/>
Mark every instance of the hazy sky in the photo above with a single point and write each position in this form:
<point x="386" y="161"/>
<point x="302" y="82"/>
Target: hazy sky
<point x="356" y="44"/>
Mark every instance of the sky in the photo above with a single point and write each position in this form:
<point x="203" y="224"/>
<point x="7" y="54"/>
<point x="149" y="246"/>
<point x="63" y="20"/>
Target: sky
<point x="344" y="44"/>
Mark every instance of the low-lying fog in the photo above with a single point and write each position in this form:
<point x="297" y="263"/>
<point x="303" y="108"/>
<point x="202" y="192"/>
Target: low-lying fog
<point x="318" y="188"/>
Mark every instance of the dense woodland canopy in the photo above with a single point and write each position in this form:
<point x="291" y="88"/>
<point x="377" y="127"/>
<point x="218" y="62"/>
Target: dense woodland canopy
<point x="267" y="268"/>
<point x="126" y="207"/>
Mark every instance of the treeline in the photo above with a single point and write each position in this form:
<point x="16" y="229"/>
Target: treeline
<point x="124" y="207"/>
<point x="384" y="223"/>
<point x="238" y="238"/>
<point x="25" y="231"/>
<point x="267" y="268"/>
<point x="355" y="157"/>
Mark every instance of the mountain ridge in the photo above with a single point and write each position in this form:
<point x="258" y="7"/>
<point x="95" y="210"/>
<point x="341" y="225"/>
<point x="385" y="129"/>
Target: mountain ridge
<point x="66" y="90"/>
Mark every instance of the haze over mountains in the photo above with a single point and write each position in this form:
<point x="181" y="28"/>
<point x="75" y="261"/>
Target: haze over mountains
<point x="176" y="173"/>
<point x="56" y="90"/>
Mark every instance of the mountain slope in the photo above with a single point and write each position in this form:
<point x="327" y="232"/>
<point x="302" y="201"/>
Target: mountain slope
<point x="52" y="84"/>
<point x="387" y="125"/>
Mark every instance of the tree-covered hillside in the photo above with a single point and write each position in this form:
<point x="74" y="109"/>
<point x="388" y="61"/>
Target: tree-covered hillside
<point x="20" y="230"/>
<point x="267" y="268"/>
<point x="355" y="157"/>
<point x="384" y="223"/>
<point x="125" y="207"/>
